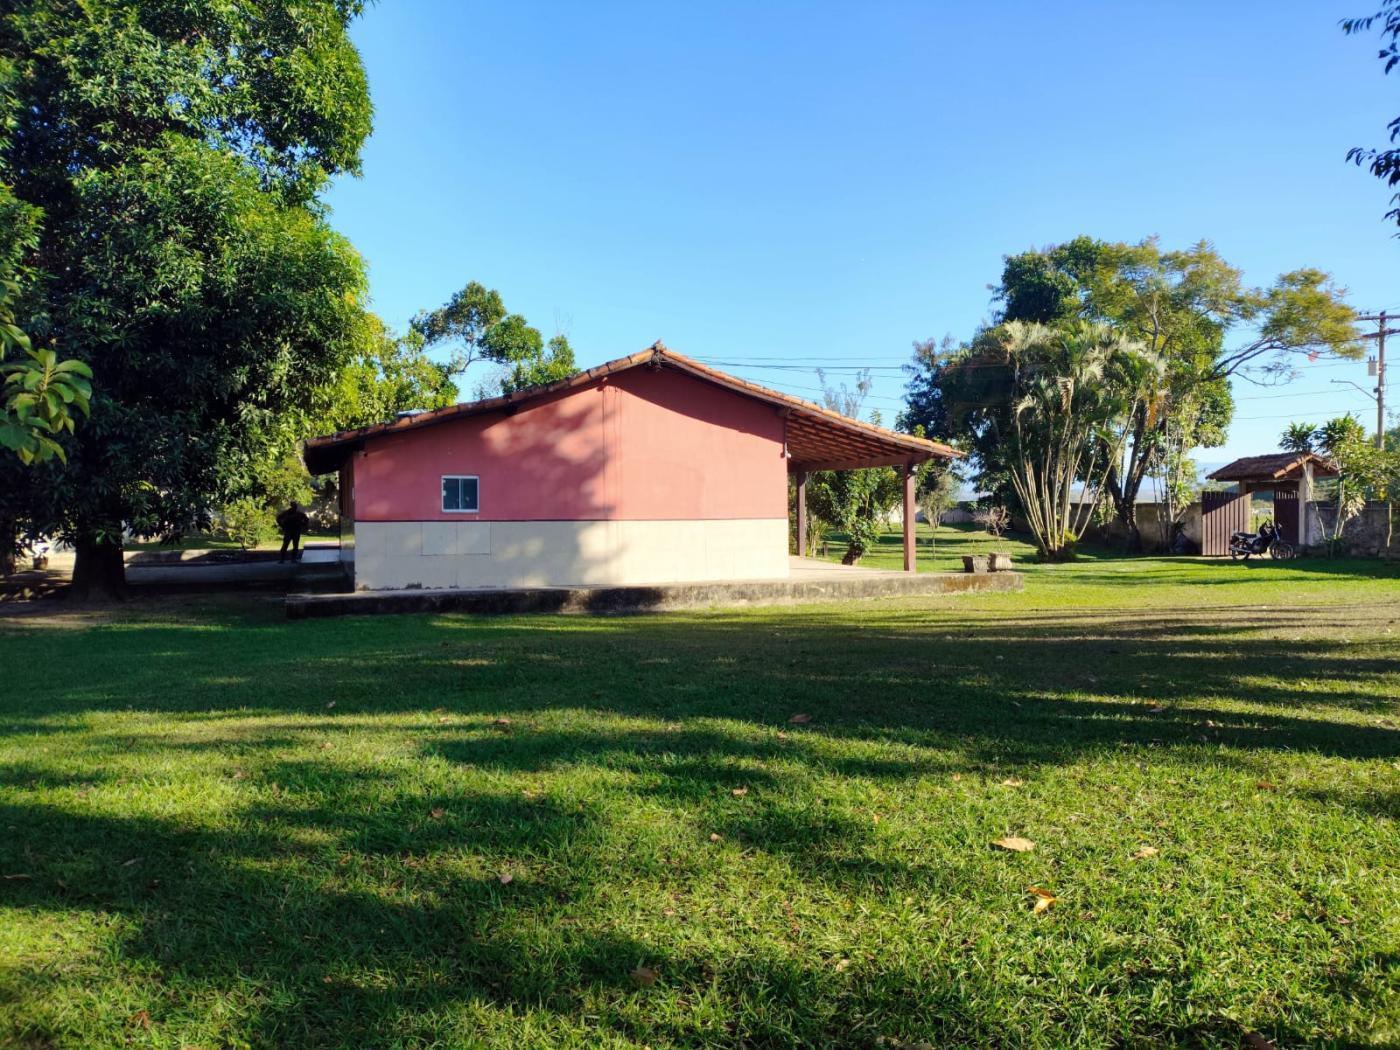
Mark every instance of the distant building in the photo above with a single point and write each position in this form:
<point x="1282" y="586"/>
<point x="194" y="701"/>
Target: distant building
<point x="649" y="469"/>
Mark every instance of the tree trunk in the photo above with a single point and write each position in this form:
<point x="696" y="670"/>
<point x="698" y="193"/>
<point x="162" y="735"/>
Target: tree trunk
<point x="1124" y="498"/>
<point x="99" y="574"/>
<point x="9" y="542"/>
<point x="1127" y="514"/>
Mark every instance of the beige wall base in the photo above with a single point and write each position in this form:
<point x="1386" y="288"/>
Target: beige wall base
<point x="468" y="554"/>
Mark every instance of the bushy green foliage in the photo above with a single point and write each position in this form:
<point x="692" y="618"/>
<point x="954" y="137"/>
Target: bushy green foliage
<point x="475" y="326"/>
<point x="386" y="374"/>
<point x="248" y="522"/>
<point x="175" y="151"/>
<point x="1054" y="403"/>
<point x="856" y="502"/>
<point x="1189" y="307"/>
<point x="40" y="396"/>
<point x="1366" y="470"/>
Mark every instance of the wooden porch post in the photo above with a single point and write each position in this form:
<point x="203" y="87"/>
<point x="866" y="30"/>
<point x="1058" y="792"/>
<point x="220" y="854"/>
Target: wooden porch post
<point x="909" y="507"/>
<point x="802" y="514"/>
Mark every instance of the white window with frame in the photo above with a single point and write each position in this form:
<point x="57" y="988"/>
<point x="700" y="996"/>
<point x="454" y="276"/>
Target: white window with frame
<point x="460" y="493"/>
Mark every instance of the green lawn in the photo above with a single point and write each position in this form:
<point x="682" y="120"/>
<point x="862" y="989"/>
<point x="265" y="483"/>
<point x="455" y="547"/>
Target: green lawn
<point x="220" y="828"/>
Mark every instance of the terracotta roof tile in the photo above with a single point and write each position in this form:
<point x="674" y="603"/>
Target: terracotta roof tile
<point x="818" y="438"/>
<point x="1272" y="467"/>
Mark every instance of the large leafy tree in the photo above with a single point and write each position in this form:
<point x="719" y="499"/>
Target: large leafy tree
<point x="1383" y="163"/>
<point x="386" y="375"/>
<point x="475" y="327"/>
<point x="1196" y="313"/>
<point x="40" y="396"/>
<point x="1054" y="403"/>
<point x="175" y="151"/>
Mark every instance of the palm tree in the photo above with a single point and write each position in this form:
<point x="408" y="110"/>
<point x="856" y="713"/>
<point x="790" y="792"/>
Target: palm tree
<point x="1073" y="388"/>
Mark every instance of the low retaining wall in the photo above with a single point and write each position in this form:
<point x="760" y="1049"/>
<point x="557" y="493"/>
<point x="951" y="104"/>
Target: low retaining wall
<point x="606" y="600"/>
<point x="1369" y="533"/>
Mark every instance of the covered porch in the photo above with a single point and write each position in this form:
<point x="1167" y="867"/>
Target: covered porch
<point x="816" y="443"/>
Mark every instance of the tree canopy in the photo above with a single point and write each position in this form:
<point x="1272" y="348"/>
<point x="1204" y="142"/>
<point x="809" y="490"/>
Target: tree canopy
<point x="1383" y="163"/>
<point x="1191" y="309"/>
<point x="174" y="153"/>
<point x="474" y="326"/>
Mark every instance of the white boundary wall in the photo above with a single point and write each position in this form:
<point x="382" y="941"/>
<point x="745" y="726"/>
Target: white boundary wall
<point x="397" y="555"/>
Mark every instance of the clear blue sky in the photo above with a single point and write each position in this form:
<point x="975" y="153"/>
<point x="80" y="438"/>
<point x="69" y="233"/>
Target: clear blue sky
<point x="804" y="182"/>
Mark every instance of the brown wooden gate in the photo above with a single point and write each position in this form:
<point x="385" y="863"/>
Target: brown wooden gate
<point x="1286" y="507"/>
<point x="1221" y="514"/>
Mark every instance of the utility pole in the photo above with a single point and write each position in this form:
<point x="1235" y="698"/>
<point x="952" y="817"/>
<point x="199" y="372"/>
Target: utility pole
<point x="1377" y="368"/>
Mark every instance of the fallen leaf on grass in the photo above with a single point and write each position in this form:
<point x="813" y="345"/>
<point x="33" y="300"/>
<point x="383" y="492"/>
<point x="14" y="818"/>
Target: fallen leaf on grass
<point x="800" y="719"/>
<point x="715" y="836"/>
<point x="437" y="812"/>
<point x="327" y="746"/>
<point x="501" y="722"/>
<point x="444" y="720"/>
<point x="1015" y="844"/>
<point x="1155" y="709"/>
<point x="1044" y="900"/>
<point x="841" y="964"/>
<point x="505" y="878"/>
<point x="1266" y="785"/>
<point x="739" y="792"/>
<point x="957" y="777"/>
<point x="1255" y="1041"/>
<point x="644" y="977"/>
<point x="330" y="705"/>
<point x="1143" y="852"/>
<point x="140" y="1019"/>
<point x="1013" y="782"/>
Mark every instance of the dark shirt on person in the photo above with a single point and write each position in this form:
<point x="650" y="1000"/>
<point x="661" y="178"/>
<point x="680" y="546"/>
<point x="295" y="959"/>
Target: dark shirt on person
<point x="292" y="522"/>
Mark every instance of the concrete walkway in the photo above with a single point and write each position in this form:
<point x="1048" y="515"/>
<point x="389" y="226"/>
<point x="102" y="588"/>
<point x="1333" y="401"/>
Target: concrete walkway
<point x="318" y="570"/>
<point x="809" y="581"/>
<point x="315" y="564"/>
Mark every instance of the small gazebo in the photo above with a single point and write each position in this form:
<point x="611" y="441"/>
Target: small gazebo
<point x="1290" y="476"/>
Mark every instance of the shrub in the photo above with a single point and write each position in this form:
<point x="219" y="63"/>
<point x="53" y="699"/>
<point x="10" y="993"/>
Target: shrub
<point x="247" y="523"/>
<point x="996" y="520"/>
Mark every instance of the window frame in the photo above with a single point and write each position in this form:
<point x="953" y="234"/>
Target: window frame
<point x="442" y="496"/>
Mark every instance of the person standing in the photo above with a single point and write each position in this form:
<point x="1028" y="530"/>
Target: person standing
<point x="293" y="522"/>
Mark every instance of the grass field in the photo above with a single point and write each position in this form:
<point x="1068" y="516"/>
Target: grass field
<point x="222" y="829"/>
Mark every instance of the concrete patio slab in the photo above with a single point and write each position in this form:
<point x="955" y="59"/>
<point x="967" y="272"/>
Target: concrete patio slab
<point x="809" y="581"/>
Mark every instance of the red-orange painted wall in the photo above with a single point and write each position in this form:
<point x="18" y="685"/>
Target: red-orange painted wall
<point x="639" y="445"/>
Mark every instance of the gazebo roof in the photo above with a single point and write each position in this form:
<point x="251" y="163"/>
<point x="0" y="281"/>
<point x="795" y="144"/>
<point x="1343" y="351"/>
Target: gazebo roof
<point x="1275" y="466"/>
<point x="817" y="438"/>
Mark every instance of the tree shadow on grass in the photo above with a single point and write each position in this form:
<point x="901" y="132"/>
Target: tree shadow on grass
<point x="1050" y="683"/>
<point x="324" y="951"/>
<point x="330" y="953"/>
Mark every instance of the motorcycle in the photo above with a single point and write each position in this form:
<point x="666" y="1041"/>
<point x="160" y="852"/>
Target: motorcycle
<point x="1244" y="545"/>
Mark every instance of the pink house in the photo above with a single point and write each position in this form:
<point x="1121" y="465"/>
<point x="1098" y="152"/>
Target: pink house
<point x="649" y="469"/>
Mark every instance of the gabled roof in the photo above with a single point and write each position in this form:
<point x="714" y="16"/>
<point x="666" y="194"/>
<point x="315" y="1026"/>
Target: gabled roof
<point x="817" y="438"/>
<point x="1276" y="466"/>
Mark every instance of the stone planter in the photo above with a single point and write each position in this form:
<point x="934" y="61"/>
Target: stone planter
<point x="997" y="561"/>
<point x="978" y="563"/>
